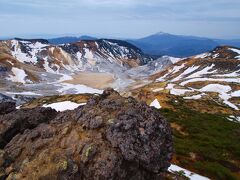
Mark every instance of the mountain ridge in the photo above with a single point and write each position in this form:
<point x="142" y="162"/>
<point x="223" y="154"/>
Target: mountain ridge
<point x="36" y="61"/>
<point x="162" y="43"/>
<point x="179" y="45"/>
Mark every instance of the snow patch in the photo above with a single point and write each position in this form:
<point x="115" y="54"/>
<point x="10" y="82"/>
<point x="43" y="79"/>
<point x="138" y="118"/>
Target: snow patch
<point x="19" y="107"/>
<point x="177" y="92"/>
<point x="233" y="74"/>
<point x="187" y="173"/>
<point x="186" y="72"/>
<point x="79" y="89"/>
<point x="79" y="56"/>
<point x="236" y="80"/>
<point x="47" y="67"/>
<point x="177" y="68"/>
<point x="202" y="72"/>
<point x="230" y="104"/>
<point x="156" y="104"/>
<point x="88" y="54"/>
<point x="32" y="49"/>
<point x="19" y="55"/>
<point x="222" y="90"/>
<point x="195" y="97"/>
<point x="18" y="76"/>
<point x="65" y="77"/>
<point x="10" y="62"/>
<point x="216" y="88"/>
<point x="235" y="93"/>
<point x="161" y="79"/>
<point x="24" y="93"/>
<point x="215" y="55"/>
<point x="204" y="55"/>
<point x="236" y="51"/>
<point x="63" y="106"/>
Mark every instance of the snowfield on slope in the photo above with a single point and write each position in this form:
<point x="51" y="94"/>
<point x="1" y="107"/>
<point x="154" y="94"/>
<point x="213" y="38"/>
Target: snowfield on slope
<point x="223" y="93"/>
<point x="177" y="68"/>
<point x="187" y="173"/>
<point x="26" y="57"/>
<point x="18" y="76"/>
<point x="202" y="72"/>
<point x="203" y="55"/>
<point x="236" y="80"/>
<point x="195" y="97"/>
<point x="67" y="88"/>
<point x="186" y="72"/>
<point x="175" y="91"/>
<point x="26" y="93"/>
<point x="236" y="51"/>
<point x="216" y="88"/>
<point x="63" y="106"/>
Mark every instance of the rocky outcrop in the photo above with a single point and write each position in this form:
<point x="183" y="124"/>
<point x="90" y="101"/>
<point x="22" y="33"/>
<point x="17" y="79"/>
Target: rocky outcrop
<point x="18" y="121"/>
<point x="7" y="107"/>
<point x="109" y="138"/>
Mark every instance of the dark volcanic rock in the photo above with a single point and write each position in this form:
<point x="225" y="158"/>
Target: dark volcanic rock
<point x="109" y="138"/>
<point x="18" y="121"/>
<point x="7" y="107"/>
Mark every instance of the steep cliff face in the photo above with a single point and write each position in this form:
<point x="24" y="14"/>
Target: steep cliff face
<point x="111" y="137"/>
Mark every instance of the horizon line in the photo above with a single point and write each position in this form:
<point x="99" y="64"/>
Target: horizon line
<point x="76" y="35"/>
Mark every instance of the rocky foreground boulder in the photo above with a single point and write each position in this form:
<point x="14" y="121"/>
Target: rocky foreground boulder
<point x="109" y="138"/>
<point x="7" y="107"/>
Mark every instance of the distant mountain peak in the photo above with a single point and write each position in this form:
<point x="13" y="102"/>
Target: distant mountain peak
<point x="161" y="33"/>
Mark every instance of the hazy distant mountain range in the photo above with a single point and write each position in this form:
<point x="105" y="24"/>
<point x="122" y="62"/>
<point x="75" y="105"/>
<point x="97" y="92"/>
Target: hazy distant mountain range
<point x="165" y="44"/>
<point x="179" y="46"/>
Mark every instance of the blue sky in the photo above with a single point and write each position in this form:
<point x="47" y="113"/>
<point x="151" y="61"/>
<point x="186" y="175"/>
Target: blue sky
<point x="120" y="18"/>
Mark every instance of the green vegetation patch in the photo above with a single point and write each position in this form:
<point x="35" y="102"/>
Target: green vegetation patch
<point x="213" y="140"/>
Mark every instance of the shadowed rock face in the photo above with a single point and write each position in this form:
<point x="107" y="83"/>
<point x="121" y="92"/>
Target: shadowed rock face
<point x="109" y="138"/>
<point x="7" y="107"/>
<point x="19" y="120"/>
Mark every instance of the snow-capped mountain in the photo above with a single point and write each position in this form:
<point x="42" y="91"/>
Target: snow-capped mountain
<point x="23" y="60"/>
<point x="37" y="67"/>
<point x="36" y="62"/>
<point x="215" y="74"/>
